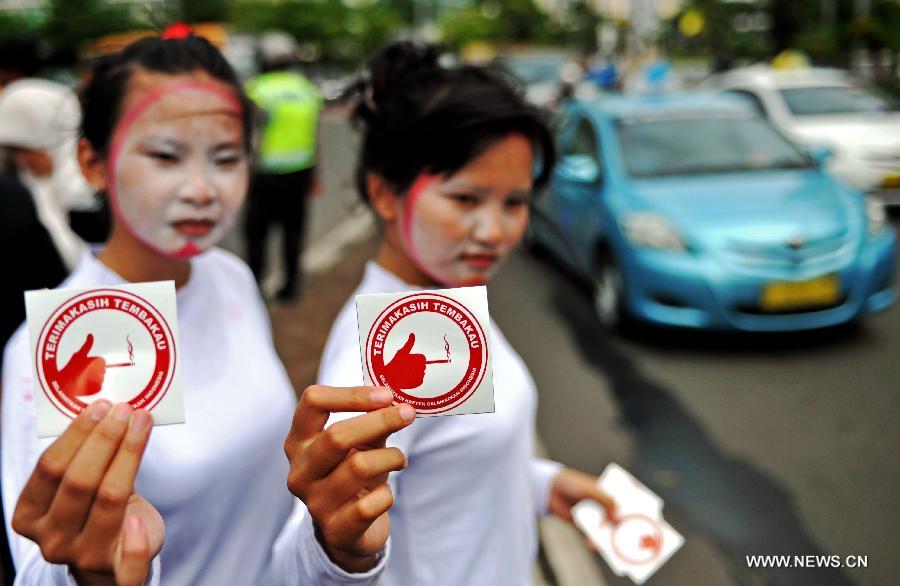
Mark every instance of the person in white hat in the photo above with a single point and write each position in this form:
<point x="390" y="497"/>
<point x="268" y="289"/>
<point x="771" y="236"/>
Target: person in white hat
<point x="39" y="122"/>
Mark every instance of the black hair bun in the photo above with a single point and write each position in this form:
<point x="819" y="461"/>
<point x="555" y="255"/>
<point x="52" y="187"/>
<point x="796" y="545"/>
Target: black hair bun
<point x="419" y="113"/>
<point x="395" y="81"/>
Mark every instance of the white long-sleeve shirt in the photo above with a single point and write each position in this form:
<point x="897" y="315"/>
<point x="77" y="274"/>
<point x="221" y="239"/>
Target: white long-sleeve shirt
<point x="465" y="509"/>
<point x="218" y="480"/>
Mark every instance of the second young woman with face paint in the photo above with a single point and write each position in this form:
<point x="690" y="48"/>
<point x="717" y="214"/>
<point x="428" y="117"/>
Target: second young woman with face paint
<point x="166" y="134"/>
<point x="450" y="158"/>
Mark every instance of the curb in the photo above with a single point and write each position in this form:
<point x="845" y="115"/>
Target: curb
<point x="568" y="560"/>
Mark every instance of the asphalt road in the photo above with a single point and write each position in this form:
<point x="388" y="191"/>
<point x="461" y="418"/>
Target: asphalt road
<point x="759" y="445"/>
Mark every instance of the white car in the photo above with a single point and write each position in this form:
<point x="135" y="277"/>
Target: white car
<point x="540" y="73"/>
<point x="820" y="107"/>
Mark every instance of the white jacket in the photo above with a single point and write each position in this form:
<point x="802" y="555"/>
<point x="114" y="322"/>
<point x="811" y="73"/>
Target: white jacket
<point x="218" y="480"/>
<point x="465" y="509"/>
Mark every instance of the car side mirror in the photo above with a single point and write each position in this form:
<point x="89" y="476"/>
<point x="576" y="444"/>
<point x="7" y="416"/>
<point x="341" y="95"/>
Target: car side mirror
<point x="579" y="169"/>
<point x="819" y="155"/>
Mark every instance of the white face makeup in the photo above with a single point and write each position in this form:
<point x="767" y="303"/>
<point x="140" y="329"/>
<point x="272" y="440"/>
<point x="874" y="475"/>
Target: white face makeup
<point x="457" y="230"/>
<point x="178" y="171"/>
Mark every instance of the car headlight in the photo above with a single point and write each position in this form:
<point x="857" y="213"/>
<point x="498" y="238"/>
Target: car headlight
<point x="876" y="215"/>
<point x="651" y="230"/>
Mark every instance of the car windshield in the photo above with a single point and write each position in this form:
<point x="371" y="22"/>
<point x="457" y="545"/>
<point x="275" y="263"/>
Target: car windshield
<point x="821" y="101"/>
<point x="534" y="70"/>
<point x="694" y="145"/>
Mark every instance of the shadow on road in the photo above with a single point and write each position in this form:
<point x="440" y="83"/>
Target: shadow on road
<point x="742" y="343"/>
<point x="739" y="508"/>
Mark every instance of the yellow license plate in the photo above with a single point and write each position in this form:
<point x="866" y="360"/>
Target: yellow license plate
<point x="891" y="180"/>
<point x="792" y="295"/>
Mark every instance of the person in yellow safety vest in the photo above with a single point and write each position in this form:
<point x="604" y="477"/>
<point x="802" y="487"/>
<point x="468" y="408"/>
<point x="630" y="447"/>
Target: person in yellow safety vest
<point x="286" y="170"/>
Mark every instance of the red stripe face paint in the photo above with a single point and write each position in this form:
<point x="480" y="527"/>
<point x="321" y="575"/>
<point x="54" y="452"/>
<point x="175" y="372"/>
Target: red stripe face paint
<point x="415" y="192"/>
<point x="177" y="171"/>
<point x="419" y="187"/>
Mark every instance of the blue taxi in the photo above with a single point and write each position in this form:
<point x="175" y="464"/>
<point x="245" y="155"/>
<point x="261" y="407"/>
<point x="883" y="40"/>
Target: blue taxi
<point x="692" y="211"/>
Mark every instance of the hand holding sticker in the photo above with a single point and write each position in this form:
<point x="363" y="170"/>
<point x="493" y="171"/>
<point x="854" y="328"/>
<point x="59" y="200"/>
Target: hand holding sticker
<point x="118" y="343"/>
<point x="341" y="471"/>
<point x="85" y="513"/>
<point x="83" y="374"/>
<point x="639" y="540"/>
<point x="406" y="370"/>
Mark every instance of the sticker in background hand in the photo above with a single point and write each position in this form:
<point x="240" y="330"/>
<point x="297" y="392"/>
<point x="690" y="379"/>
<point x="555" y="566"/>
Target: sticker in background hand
<point x="641" y="541"/>
<point x="432" y="348"/>
<point x="116" y="343"/>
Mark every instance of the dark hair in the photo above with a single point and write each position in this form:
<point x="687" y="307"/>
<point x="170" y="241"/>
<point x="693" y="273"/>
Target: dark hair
<point x="20" y="54"/>
<point x="101" y="97"/>
<point x="420" y="116"/>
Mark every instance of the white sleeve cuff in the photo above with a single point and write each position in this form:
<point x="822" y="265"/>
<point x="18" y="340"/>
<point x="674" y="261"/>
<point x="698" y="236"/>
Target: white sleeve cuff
<point x="36" y="571"/>
<point x="152" y="578"/>
<point x="323" y="568"/>
<point x="60" y="574"/>
<point x="542" y="474"/>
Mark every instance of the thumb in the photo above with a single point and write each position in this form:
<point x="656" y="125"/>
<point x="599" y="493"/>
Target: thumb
<point x="608" y="504"/>
<point x="134" y="563"/>
<point x="85" y="348"/>
<point x="410" y="342"/>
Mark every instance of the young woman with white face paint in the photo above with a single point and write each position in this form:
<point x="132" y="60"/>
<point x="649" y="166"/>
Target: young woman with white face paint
<point x="450" y="158"/>
<point x="179" y="167"/>
<point x="166" y="134"/>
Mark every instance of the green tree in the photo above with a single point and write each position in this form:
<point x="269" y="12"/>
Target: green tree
<point x="405" y="10"/>
<point x="14" y="25"/>
<point x="790" y="18"/>
<point x="580" y="27"/>
<point x="719" y="35"/>
<point x="204" y="10"/>
<point x="469" y="25"/>
<point x="72" y="22"/>
<point x="499" y="21"/>
<point x="881" y="32"/>
<point x="829" y="30"/>
<point x="522" y="20"/>
<point x="335" y="31"/>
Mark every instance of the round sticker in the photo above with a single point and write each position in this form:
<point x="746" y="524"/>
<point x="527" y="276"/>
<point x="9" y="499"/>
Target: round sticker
<point x="637" y="539"/>
<point x="105" y="344"/>
<point x="429" y="349"/>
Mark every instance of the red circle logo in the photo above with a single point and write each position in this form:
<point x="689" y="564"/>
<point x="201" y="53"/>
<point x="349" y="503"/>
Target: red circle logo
<point x="637" y="539"/>
<point x="105" y="344"/>
<point x="429" y="349"/>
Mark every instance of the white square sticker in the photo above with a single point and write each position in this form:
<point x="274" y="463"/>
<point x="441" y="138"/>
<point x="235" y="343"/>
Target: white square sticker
<point x="431" y="348"/>
<point x="118" y="343"/>
<point x="641" y="541"/>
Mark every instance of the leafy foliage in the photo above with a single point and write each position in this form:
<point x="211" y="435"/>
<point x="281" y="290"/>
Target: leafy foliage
<point x="332" y="30"/>
<point x="72" y="22"/>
